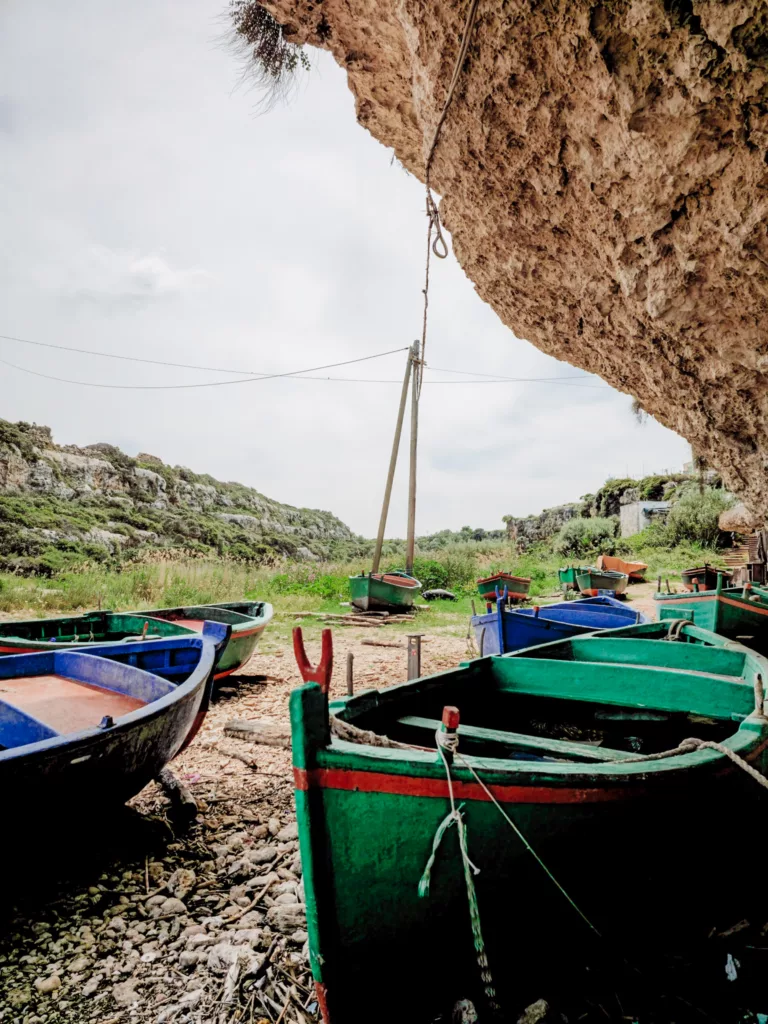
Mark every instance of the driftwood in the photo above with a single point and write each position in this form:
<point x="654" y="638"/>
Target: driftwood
<point x="266" y="733"/>
<point x="183" y="804"/>
<point x="382" y="643"/>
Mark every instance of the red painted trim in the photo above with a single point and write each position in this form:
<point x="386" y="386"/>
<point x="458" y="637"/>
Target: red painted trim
<point x="407" y="785"/>
<point x="19" y="650"/>
<point x="744" y="605"/>
<point x="741" y="604"/>
<point x="321" y="992"/>
<point x="229" y="671"/>
<point x="246" y="632"/>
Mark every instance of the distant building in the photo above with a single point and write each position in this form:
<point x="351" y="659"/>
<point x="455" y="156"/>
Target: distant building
<point x="637" y="515"/>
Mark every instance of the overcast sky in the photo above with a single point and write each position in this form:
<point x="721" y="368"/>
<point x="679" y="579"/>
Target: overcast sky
<point x="147" y="209"/>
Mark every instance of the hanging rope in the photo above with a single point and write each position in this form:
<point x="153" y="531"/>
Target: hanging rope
<point x="450" y="742"/>
<point x="438" y="245"/>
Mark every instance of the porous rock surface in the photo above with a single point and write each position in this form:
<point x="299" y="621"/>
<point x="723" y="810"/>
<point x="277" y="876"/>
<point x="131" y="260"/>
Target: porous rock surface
<point x="603" y="173"/>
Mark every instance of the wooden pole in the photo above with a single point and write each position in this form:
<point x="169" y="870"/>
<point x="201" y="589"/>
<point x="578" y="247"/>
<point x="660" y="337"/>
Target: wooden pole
<point x="411" y="537"/>
<point x="350" y="674"/>
<point x="392" y="465"/>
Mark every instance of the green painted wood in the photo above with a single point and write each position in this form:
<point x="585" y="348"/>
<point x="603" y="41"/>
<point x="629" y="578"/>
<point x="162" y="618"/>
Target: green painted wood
<point x="592" y="580"/>
<point x="522" y="741"/>
<point x="368" y="815"/>
<point x="727" y="612"/>
<point x="376" y="593"/>
<point x="567" y="576"/>
<point x="80" y="630"/>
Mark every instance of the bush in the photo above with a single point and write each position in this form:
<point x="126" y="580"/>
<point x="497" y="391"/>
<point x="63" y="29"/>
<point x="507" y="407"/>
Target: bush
<point x="695" y="516"/>
<point x="581" y="536"/>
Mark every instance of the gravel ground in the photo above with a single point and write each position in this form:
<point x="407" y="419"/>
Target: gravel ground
<point x="130" y="921"/>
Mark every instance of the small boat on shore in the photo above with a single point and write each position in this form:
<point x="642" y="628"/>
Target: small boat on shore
<point x="635" y="570"/>
<point x="85" y="728"/>
<point x="568" y="574"/>
<point x="570" y="767"/>
<point x="592" y="580"/>
<point x="248" y="620"/>
<point x="386" y="591"/>
<point x="737" y="612"/>
<point x="704" y="577"/>
<point x="81" y="630"/>
<point x="510" y="629"/>
<point x="517" y="587"/>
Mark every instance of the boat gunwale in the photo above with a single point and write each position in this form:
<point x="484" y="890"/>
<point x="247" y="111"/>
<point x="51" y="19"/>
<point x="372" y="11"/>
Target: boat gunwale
<point x="148" y="712"/>
<point x="251" y="623"/>
<point x="378" y="577"/>
<point x="505" y="576"/>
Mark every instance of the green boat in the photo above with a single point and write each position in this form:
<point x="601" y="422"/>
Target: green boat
<point x="517" y="587"/>
<point x="555" y="755"/>
<point x="81" y="630"/>
<point x="738" y="612"/>
<point x="387" y="591"/>
<point x="248" y="620"/>
<point x="567" y="576"/>
<point x="591" y="581"/>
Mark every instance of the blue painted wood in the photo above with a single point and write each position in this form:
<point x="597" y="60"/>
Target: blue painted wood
<point x="511" y="629"/>
<point x="42" y="772"/>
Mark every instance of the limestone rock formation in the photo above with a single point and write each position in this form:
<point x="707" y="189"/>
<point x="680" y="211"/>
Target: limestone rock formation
<point x="603" y="173"/>
<point x="59" y="501"/>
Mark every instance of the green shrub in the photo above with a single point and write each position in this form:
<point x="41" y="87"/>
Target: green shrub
<point x="579" y="537"/>
<point x="695" y="516"/>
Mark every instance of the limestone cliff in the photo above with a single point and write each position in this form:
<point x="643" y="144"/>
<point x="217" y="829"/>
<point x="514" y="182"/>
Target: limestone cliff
<point x="603" y="173"/>
<point x="60" y="503"/>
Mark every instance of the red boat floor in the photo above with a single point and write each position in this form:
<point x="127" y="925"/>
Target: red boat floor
<point x="190" y="623"/>
<point x="64" y="704"/>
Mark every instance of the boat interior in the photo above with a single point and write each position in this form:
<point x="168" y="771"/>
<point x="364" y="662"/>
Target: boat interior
<point x="94" y="626"/>
<point x="531" y="705"/>
<point x="55" y="693"/>
<point x="235" y="614"/>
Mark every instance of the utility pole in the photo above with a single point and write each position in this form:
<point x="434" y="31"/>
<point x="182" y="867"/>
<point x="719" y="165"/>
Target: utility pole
<point x="415" y="382"/>
<point x="392" y="462"/>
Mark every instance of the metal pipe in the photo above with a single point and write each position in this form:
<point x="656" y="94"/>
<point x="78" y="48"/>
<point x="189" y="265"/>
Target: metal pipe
<point x="411" y="536"/>
<point x="392" y="464"/>
<point x="414" y="655"/>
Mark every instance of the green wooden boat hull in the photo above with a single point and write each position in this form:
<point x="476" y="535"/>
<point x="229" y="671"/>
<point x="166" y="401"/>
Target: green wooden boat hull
<point x="248" y="620"/>
<point x="726" y="612"/>
<point x="382" y="592"/>
<point x="567" y="576"/>
<point x="591" y="581"/>
<point x="368" y="816"/>
<point x="517" y="587"/>
<point x="80" y="630"/>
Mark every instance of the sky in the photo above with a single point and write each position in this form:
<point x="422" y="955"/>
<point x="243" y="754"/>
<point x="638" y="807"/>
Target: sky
<point x="148" y="208"/>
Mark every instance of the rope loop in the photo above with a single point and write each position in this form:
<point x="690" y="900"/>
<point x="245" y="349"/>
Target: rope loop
<point x="439" y="245"/>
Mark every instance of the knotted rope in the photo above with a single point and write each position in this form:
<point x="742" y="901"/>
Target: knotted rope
<point x="438" y="245"/>
<point x="449" y="743"/>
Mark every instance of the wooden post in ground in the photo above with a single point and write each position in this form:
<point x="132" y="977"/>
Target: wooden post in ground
<point x="350" y="674"/>
<point x="411" y="537"/>
<point x="392" y="464"/>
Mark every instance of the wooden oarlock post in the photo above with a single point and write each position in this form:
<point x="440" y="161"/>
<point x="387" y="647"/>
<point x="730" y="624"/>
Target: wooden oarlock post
<point x="449" y="726"/>
<point x="350" y="674"/>
<point x="414" y="655"/>
<point x="320" y="673"/>
<point x="411" y="535"/>
<point x="409" y="367"/>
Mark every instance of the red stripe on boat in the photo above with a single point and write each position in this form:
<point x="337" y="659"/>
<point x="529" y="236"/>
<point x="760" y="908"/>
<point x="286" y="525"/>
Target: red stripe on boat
<point x="18" y="650"/>
<point x="714" y="597"/>
<point x="405" y="785"/>
<point x="321" y="993"/>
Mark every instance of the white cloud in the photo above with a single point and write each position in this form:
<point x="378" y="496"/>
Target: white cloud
<point x="119" y="277"/>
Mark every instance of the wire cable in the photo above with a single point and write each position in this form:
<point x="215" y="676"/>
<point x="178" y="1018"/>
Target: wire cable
<point x="204" y="384"/>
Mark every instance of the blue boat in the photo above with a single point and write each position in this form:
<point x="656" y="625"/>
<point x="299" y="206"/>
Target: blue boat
<point x="81" y="729"/>
<point x="511" y="629"/>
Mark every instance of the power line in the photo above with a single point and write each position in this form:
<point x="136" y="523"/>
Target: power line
<point x="205" y="384"/>
<point x="255" y="374"/>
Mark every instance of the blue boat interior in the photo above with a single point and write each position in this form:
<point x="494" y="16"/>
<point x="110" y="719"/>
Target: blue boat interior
<point x="54" y="693"/>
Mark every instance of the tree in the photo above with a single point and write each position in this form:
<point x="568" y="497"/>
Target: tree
<point x="270" y="60"/>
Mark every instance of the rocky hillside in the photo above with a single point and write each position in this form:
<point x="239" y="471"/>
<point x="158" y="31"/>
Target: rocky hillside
<point x="602" y="170"/>
<point x="60" y="504"/>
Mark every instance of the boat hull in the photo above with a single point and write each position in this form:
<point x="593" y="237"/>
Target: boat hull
<point x="517" y="587"/>
<point x="383" y="592"/>
<point x="567" y="576"/>
<point x="727" y="613"/>
<point x="248" y="620"/>
<point x="635" y="570"/>
<point x="70" y="632"/>
<point x="511" y="629"/>
<point x="706" y="575"/>
<point x="95" y="766"/>
<point x="590" y="583"/>
<point x="367" y="821"/>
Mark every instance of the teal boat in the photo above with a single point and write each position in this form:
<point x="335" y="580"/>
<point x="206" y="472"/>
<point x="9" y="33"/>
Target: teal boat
<point x="567" y="576"/>
<point x="69" y="631"/>
<point x="248" y="620"/>
<point x="388" y="591"/>
<point x="573" y="750"/>
<point x="737" y="612"/>
<point x="592" y="580"/>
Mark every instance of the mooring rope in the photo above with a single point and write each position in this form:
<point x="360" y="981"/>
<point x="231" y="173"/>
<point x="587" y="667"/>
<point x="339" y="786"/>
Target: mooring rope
<point x="438" y="245"/>
<point x="447" y="742"/>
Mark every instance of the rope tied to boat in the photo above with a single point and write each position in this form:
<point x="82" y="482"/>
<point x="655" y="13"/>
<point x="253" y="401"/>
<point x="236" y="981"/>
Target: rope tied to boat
<point x="676" y="628"/>
<point x="447" y="745"/>
<point x="689" y="746"/>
